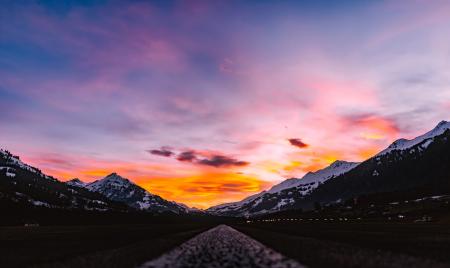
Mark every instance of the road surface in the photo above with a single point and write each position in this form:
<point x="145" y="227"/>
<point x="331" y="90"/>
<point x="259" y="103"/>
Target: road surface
<point x="222" y="246"/>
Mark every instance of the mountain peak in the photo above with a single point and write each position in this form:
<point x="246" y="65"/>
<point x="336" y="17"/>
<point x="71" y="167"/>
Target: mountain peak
<point x="112" y="181"/>
<point x="76" y="182"/>
<point x="443" y="125"/>
<point x="340" y="163"/>
<point x="114" y="177"/>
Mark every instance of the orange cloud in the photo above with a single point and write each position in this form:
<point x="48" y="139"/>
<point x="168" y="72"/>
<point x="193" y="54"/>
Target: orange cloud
<point x="368" y="152"/>
<point x="374" y="127"/>
<point x="205" y="189"/>
<point x="201" y="187"/>
<point x="293" y="165"/>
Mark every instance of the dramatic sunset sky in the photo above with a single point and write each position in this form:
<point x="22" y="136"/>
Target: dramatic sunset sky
<point x="206" y="102"/>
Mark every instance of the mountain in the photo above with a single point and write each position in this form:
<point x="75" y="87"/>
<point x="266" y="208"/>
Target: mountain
<point x="281" y="195"/>
<point x="22" y="185"/>
<point x="76" y="183"/>
<point x="420" y="166"/>
<point x="119" y="189"/>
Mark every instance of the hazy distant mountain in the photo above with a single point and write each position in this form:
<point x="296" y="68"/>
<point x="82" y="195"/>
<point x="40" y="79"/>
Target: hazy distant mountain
<point x="421" y="164"/>
<point x="120" y="189"/>
<point x="27" y="186"/>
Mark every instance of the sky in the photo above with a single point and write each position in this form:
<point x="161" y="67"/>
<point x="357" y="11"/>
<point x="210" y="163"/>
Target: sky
<point x="206" y="102"/>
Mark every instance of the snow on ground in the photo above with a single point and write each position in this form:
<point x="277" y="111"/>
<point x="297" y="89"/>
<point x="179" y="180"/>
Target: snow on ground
<point x="222" y="246"/>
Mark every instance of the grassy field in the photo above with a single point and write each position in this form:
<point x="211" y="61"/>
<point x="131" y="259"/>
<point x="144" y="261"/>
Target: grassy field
<point x="91" y="246"/>
<point x="357" y="244"/>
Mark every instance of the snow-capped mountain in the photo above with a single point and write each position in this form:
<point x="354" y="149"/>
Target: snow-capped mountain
<point x="403" y="144"/>
<point x="274" y="198"/>
<point x="120" y="189"/>
<point x="419" y="165"/>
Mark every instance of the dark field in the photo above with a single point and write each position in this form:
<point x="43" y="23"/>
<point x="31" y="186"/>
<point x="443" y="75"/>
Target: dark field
<point x="91" y="246"/>
<point x="357" y="244"/>
<point x="318" y="244"/>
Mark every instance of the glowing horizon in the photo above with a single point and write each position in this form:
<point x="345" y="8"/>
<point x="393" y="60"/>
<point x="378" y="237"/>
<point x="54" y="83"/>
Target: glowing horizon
<point x="207" y="102"/>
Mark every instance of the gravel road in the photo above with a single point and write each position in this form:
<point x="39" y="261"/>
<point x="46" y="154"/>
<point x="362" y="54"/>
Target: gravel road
<point x="222" y="246"/>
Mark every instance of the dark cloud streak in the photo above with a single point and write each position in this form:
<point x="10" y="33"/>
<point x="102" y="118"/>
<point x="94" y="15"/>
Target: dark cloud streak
<point x="298" y="143"/>
<point x="187" y="156"/>
<point x="222" y="161"/>
<point x="163" y="151"/>
<point x="199" y="158"/>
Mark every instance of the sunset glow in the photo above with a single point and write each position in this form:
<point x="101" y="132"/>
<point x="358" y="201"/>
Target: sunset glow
<point x="206" y="102"/>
